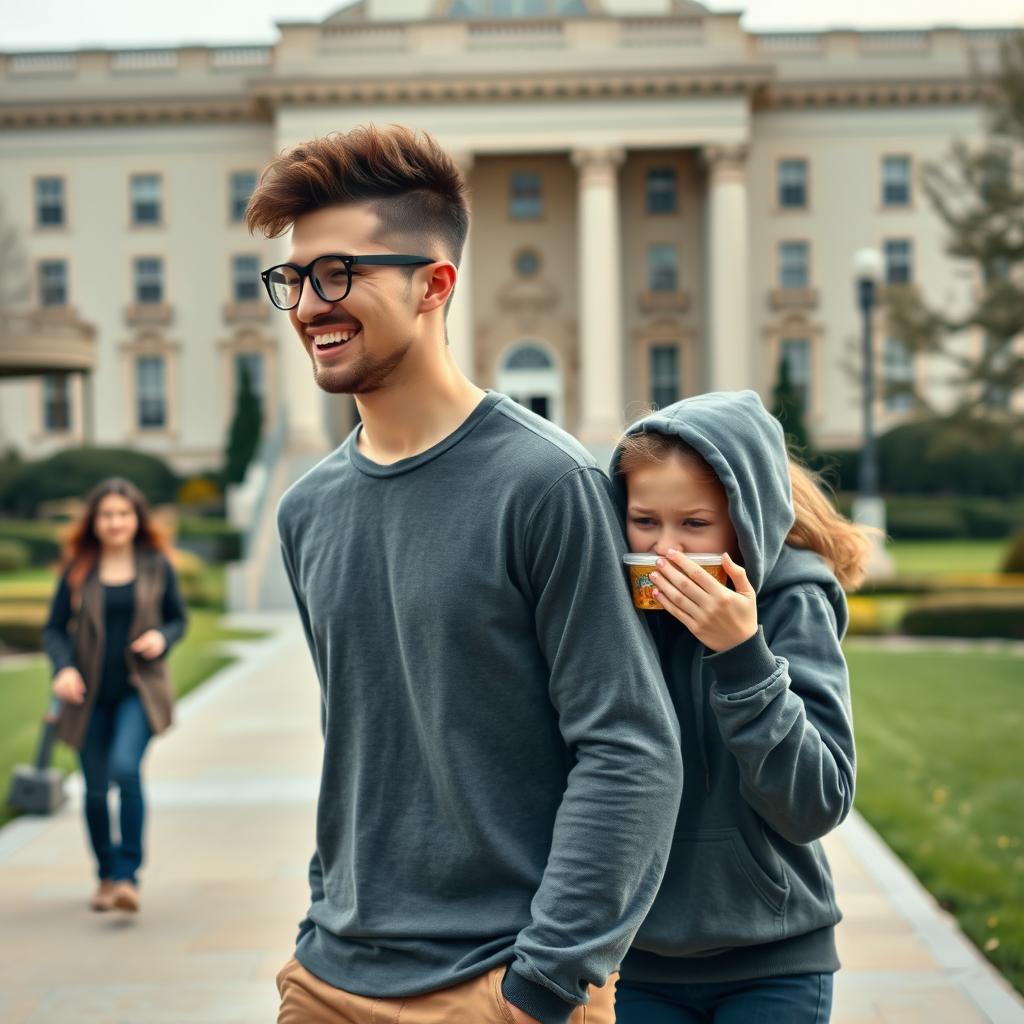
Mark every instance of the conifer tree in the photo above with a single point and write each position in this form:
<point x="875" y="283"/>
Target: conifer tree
<point x="788" y="409"/>
<point x="246" y="428"/>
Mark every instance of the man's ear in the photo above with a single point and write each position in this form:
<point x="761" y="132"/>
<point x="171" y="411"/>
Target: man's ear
<point x="439" y="283"/>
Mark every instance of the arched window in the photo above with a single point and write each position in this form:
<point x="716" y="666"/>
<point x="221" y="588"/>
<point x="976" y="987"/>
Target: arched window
<point x="528" y="374"/>
<point x="528" y="357"/>
<point x="515" y="8"/>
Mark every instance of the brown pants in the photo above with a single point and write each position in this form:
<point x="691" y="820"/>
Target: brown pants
<point x="306" y="999"/>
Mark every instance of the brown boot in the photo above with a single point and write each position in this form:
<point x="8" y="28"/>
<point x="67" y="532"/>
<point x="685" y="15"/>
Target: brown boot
<point x="103" y="897"/>
<point x="126" y="897"/>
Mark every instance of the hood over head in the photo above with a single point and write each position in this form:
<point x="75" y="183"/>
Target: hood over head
<point x="746" y="447"/>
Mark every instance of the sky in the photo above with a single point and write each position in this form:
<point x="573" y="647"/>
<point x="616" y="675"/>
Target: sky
<point x="73" y="24"/>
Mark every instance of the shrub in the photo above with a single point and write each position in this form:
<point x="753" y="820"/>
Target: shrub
<point x="21" y="625"/>
<point x="865" y="616"/>
<point x="975" y="615"/>
<point x="988" y="518"/>
<point x="14" y="555"/>
<point x="216" y="540"/>
<point x="1014" y="561"/>
<point x="43" y="540"/>
<point x="839" y="468"/>
<point x="73" y="472"/>
<point x="199" y="491"/>
<point x="932" y="457"/>
<point x="923" y="519"/>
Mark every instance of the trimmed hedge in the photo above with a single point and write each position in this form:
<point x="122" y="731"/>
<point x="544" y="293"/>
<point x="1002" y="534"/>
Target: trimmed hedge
<point x="214" y="540"/>
<point x="21" y="625"/>
<point x="73" y="472"/>
<point x="14" y="555"/>
<point x="1014" y="561"/>
<point x="943" y="518"/>
<point x="41" y="539"/>
<point x="924" y="457"/>
<point x="973" y="616"/>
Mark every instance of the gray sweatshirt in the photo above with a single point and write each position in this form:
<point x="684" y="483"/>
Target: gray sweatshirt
<point x="767" y="734"/>
<point x="501" y="766"/>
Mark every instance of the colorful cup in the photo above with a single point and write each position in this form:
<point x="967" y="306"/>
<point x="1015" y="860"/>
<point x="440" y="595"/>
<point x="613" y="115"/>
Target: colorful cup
<point x="640" y="567"/>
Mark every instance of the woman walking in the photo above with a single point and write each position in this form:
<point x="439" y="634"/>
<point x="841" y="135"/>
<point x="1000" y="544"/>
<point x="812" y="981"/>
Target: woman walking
<point x="116" y="613"/>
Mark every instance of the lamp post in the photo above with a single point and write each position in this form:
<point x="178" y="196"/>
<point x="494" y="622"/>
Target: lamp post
<point x="869" y="508"/>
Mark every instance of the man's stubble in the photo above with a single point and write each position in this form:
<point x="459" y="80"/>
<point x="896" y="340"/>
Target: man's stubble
<point x="366" y="375"/>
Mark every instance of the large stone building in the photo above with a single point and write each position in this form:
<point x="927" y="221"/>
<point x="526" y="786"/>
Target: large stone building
<point x="664" y="203"/>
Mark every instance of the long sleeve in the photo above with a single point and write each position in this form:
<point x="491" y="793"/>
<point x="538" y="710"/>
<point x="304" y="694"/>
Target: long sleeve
<point x="783" y="708"/>
<point x="615" y="824"/>
<point x="58" y="643"/>
<point x="172" y="611"/>
<point x="316" y="870"/>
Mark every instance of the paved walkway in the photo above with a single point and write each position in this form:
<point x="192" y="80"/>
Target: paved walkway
<point x="232" y="790"/>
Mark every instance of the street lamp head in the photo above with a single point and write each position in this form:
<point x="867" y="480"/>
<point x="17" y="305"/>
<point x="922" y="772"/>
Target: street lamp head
<point x="867" y="265"/>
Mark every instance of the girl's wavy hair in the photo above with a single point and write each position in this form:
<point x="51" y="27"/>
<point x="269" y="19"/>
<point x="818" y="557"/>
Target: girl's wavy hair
<point x="845" y="546"/>
<point x="82" y="546"/>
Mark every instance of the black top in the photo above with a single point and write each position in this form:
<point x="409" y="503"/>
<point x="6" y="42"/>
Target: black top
<point x="118" y="611"/>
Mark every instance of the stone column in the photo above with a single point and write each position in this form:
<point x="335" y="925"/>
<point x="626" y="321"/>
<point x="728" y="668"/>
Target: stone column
<point x="727" y="352"/>
<point x="460" y="316"/>
<point x="602" y="350"/>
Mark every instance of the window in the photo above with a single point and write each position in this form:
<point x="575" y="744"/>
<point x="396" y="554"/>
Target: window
<point x="664" y="367"/>
<point x="797" y="355"/>
<point x="662" y="268"/>
<point x="252" y="363"/>
<point x="515" y="8"/>
<point x="661" y="190"/>
<point x="146" y="199"/>
<point x="150" y="389"/>
<point x="527" y="262"/>
<point x="898" y="261"/>
<point x="896" y="181"/>
<point x="999" y="356"/>
<point x="524" y="196"/>
<point x="53" y="283"/>
<point x="242" y="185"/>
<point x="245" y="272"/>
<point x="49" y="202"/>
<point x="149" y="279"/>
<point x="792" y="184"/>
<point x="996" y="175"/>
<point x="529" y="375"/>
<point x="898" y="368"/>
<point x="529" y="357"/>
<point x="56" y="403"/>
<point x="794" y="270"/>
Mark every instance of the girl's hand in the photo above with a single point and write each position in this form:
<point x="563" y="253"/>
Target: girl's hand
<point x="150" y="645"/>
<point x="718" y="617"/>
<point x="69" y="685"/>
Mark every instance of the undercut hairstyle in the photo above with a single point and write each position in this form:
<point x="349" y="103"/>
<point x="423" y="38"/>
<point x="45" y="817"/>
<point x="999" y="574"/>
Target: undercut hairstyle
<point x="818" y="526"/>
<point x="410" y="182"/>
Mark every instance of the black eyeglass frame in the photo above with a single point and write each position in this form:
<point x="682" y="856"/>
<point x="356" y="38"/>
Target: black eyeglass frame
<point x="379" y="260"/>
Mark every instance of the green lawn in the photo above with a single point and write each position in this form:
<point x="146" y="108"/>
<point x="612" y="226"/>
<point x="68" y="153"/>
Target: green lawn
<point x="935" y="557"/>
<point x="24" y="691"/>
<point x="940" y="777"/>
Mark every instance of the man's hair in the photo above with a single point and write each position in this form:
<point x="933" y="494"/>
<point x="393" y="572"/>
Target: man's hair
<point x="410" y="182"/>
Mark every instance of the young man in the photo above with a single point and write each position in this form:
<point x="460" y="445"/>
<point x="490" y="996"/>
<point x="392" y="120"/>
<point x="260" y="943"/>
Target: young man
<point x="501" y="772"/>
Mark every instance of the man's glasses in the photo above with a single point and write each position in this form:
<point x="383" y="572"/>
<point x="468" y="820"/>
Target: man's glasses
<point x="331" y="276"/>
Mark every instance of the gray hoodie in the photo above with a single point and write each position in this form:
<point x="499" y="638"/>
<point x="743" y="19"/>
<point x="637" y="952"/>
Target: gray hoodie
<point x="767" y="734"/>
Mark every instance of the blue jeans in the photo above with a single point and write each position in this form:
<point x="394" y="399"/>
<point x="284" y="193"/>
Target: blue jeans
<point x="113" y="749"/>
<point x="793" y="999"/>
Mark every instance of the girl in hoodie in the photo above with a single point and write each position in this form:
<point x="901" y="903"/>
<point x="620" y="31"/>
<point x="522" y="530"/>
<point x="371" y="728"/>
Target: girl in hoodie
<point x="742" y="928"/>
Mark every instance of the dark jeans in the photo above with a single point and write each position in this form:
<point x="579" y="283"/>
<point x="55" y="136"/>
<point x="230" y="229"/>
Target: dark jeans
<point x="114" y="745"/>
<point x="792" y="999"/>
